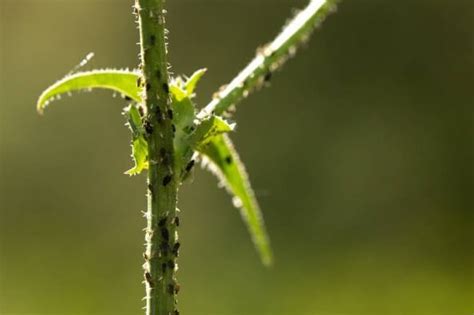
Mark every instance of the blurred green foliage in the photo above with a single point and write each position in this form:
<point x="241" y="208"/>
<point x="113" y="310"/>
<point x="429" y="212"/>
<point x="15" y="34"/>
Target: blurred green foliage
<point x="370" y="127"/>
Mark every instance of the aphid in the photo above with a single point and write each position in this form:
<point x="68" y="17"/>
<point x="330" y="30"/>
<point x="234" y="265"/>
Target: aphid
<point x="176" y="249"/>
<point x="228" y="159"/>
<point x="141" y="111"/>
<point x="166" y="180"/>
<point x="164" y="248"/>
<point x="149" y="279"/>
<point x="162" y="222"/>
<point x="166" y="88"/>
<point x="158" y="74"/>
<point x="176" y="312"/>
<point x="173" y="127"/>
<point x="127" y="98"/>
<point x="150" y="187"/>
<point x="148" y="127"/>
<point x="267" y="77"/>
<point x="170" y="289"/>
<point x="165" y="234"/>
<point x="176" y="220"/>
<point x="139" y="81"/>
<point x="170" y="114"/>
<point x="163" y="268"/>
<point x="189" y="166"/>
<point x="171" y="264"/>
<point x="145" y="256"/>
<point x="152" y="40"/>
<point x="148" y="86"/>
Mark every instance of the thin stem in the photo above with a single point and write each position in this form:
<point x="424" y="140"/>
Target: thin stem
<point x="270" y="57"/>
<point x="161" y="235"/>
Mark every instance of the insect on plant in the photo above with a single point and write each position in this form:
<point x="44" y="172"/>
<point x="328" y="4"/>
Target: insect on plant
<point x="169" y="134"/>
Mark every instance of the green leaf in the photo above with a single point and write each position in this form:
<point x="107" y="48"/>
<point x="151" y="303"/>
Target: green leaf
<point x="140" y="156"/>
<point x="207" y="129"/>
<point x="134" y="120"/>
<point x="122" y="81"/>
<point x="193" y="80"/>
<point x="139" y="144"/>
<point x="224" y="161"/>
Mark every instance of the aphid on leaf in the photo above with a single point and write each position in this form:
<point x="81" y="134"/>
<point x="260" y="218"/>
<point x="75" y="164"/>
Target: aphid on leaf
<point x="139" y="81"/>
<point x="152" y="40"/>
<point x="189" y="166"/>
<point x="148" y="86"/>
<point x="170" y="114"/>
<point x="171" y="264"/>
<point x="228" y="159"/>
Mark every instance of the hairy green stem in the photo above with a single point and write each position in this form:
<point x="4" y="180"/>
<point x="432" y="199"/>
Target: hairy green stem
<point x="161" y="235"/>
<point x="270" y="57"/>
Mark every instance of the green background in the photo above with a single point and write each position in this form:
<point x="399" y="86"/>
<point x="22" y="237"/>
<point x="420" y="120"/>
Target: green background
<point x="361" y="155"/>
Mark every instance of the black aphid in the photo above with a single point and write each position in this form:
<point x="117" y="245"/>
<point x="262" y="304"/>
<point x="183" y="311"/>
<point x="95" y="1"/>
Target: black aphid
<point x="176" y="221"/>
<point x="173" y="127"/>
<point x="267" y="77"/>
<point x="152" y="40"/>
<point x="148" y="86"/>
<point x="162" y="222"/>
<point x="127" y="98"/>
<point x="176" y="248"/>
<point x="170" y="114"/>
<point x="149" y="279"/>
<point x="189" y="166"/>
<point x="170" y="289"/>
<point x="166" y="87"/>
<point x="228" y="159"/>
<point x="166" y="180"/>
<point x="148" y="127"/>
<point x="171" y="264"/>
<point x="165" y="234"/>
<point x="141" y="111"/>
<point x="164" y="247"/>
<point x="139" y="81"/>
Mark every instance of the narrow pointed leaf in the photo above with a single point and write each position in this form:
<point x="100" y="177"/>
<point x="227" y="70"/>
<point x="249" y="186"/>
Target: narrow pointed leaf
<point x="224" y="161"/>
<point x="122" y="81"/>
<point x="208" y="129"/>
<point x="140" y="156"/>
<point x="193" y="80"/>
<point x="139" y="144"/>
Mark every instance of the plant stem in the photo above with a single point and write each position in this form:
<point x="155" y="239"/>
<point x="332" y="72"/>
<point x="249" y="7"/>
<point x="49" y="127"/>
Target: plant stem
<point x="270" y="57"/>
<point x="161" y="234"/>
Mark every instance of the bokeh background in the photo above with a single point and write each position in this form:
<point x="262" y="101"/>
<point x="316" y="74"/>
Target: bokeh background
<point x="361" y="154"/>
